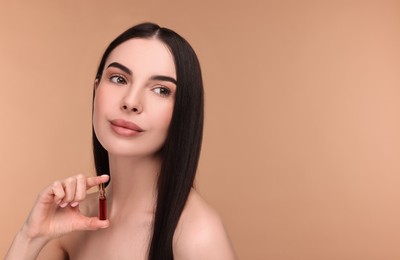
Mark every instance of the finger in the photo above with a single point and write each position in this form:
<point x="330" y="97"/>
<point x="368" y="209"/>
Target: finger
<point x="92" y="223"/>
<point x="80" y="193"/>
<point x="58" y="192"/>
<point x="93" y="181"/>
<point x="70" y="189"/>
<point x="53" y="193"/>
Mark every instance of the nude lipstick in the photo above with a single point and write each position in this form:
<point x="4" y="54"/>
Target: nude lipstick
<point x="125" y="128"/>
<point x="102" y="202"/>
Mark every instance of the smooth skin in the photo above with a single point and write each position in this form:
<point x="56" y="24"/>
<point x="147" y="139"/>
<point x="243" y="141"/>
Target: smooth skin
<point x="137" y="86"/>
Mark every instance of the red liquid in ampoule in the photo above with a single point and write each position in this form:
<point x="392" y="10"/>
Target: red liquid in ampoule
<point x="102" y="209"/>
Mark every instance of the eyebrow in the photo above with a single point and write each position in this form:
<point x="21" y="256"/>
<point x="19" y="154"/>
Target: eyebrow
<point x="121" y="67"/>
<point x="128" y="71"/>
<point x="164" y="78"/>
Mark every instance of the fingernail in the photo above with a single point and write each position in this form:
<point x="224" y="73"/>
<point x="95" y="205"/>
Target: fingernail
<point x="64" y="205"/>
<point x="74" y="204"/>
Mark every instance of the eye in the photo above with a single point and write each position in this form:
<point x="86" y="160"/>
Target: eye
<point x="118" y="79"/>
<point x="162" y="91"/>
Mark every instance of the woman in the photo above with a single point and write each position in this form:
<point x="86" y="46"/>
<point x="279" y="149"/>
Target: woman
<point x="147" y="131"/>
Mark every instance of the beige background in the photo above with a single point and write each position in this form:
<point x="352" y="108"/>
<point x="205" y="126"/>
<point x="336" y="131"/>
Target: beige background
<point x="302" y="138"/>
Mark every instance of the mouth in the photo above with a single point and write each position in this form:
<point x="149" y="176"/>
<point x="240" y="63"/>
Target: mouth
<point x="125" y="128"/>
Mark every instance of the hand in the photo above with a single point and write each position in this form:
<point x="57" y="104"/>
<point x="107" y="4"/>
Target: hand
<point x="56" y="210"/>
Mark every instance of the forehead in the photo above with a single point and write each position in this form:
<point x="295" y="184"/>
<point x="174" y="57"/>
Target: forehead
<point x="149" y="56"/>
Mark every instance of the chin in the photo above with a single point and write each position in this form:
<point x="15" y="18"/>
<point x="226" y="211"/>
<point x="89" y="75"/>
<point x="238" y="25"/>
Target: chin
<point x="133" y="151"/>
<point x="141" y="147"/>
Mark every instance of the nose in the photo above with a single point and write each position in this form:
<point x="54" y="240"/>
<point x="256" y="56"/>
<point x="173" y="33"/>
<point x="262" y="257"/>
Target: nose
<point x="132" y="102"/>
<point x="134" y="109"/>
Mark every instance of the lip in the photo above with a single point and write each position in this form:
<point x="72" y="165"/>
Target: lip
<point x="125" y="128"/>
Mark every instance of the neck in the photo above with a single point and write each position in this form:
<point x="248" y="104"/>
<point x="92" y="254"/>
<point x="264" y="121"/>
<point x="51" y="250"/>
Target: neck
<point x="133" y="186"/>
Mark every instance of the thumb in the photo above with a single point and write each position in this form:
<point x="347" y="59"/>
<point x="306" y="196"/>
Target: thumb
<point x="91" y="223"/>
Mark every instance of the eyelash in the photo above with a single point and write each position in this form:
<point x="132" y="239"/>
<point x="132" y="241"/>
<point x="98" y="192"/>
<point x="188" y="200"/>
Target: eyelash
<point x="117" y="78"/>
<point x="161" y="88"/>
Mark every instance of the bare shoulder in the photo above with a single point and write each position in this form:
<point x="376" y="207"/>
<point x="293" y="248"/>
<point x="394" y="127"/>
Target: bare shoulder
<point x="200" y="233"/>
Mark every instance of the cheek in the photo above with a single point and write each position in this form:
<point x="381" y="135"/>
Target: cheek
<point x="99" y="106"/>
<point x="162" y="123"/>
<point x="96" y="109"/>
<point x="164" y="117"/>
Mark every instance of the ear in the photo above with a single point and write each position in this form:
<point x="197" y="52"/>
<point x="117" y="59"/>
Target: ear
<point x="96" y="83"/>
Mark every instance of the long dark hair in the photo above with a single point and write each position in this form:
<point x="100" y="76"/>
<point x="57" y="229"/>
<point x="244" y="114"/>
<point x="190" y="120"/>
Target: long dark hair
<point x="181" y="151"/>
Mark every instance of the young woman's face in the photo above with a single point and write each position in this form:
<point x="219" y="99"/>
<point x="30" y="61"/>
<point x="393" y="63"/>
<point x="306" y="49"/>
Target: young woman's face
<point x="134" y="99"/>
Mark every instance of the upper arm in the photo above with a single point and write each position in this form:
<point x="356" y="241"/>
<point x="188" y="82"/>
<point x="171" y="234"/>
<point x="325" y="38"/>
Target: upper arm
<point x="53" y="250"/>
